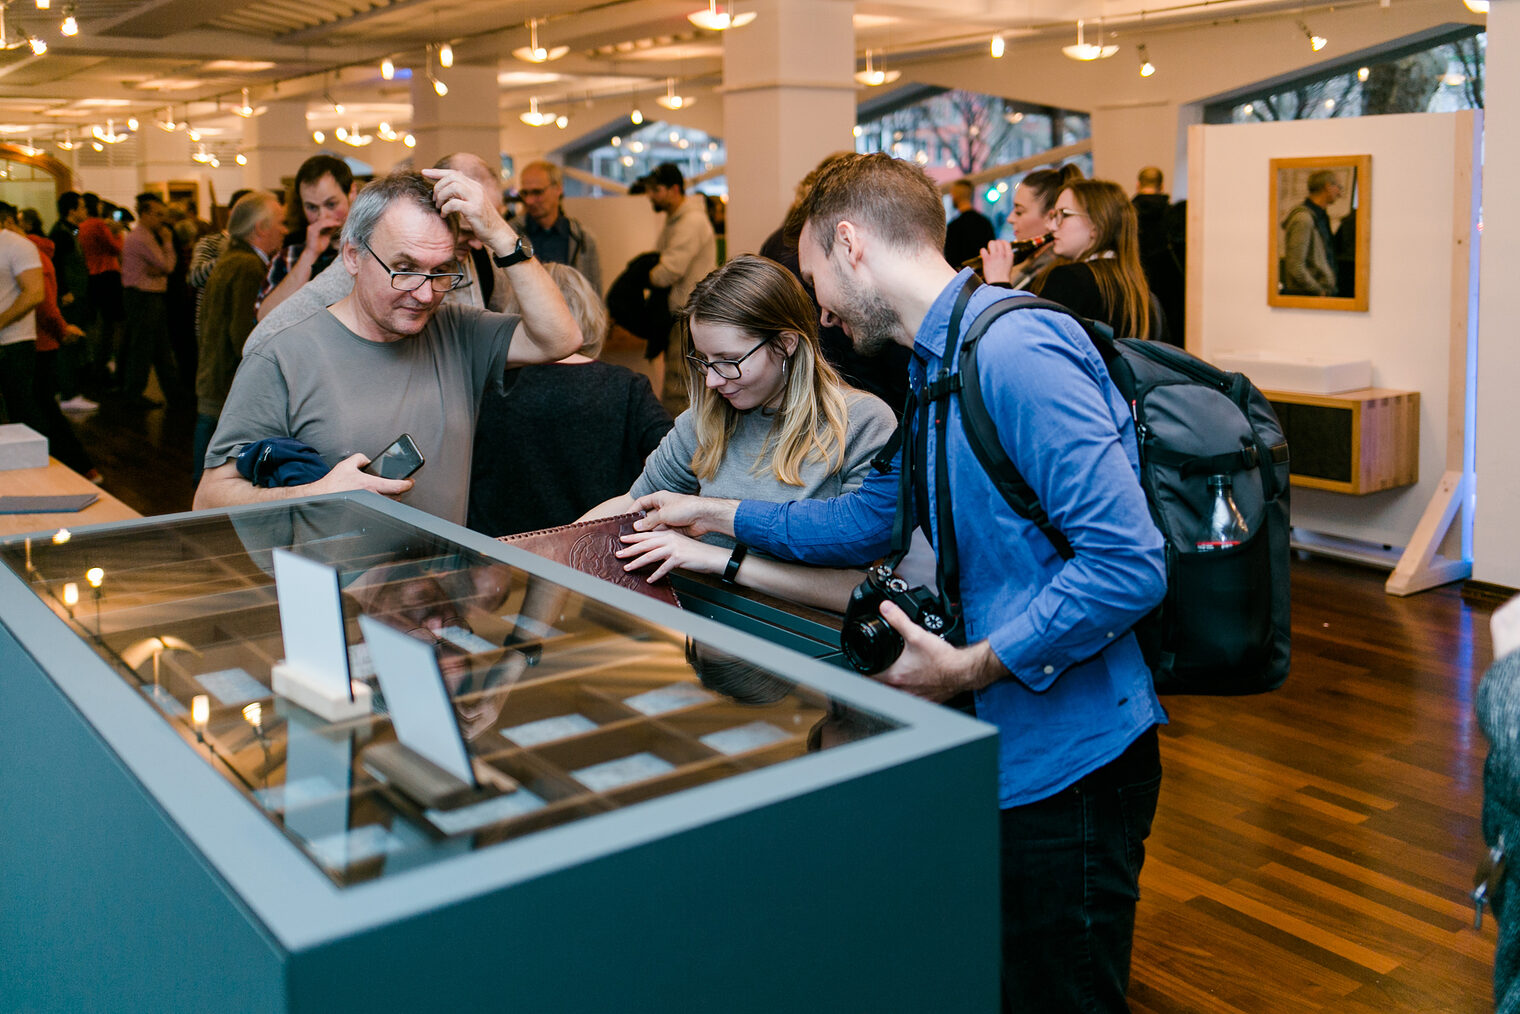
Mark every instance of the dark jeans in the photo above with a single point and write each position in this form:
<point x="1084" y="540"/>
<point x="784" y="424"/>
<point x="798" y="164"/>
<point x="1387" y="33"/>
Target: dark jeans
<point x="18" y="384"/>
<point x="147" y="344"/>
<point x="1071" y="878"/>
<point x="63" y="443"/>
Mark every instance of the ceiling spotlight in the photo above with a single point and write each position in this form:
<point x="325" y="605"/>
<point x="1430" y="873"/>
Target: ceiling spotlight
<point x="387" y="69"/>
<point x="997" y="46"/>
<point x="409" y="141"/>
<point x="874" y="76"/>
<point x="1146" y="67"/>
<point x="670" y="100"/>
<point x="38" y="46"/>
<point x="533" y="52"/>
<point x="43" y="5"/>
<point x="97" y="146"/>
<point x="533" y="117"/>
<point x="132" y="123"/>
<point x="562" y="121"/>
<point x="445" y="55"/>
<point x="1477" y="6"/>
<point x="1084" y="50"/>
<point x="713" y="21"/>
<point x="1316" y="42"/>
<point x="318" y="136"/>
<point x="70" y="26"/>
<point x="242" y="159"/>
<point x="67" y="144"/>
<point x="109" y="135"/>
<point x="353" y="138"/>
<point x="1363" y="73"/>
<point x="384" y="132"/>
<point x="195" y="135"/>
<point x="637" y="116"/>
<point x="341" y="133"/>
<point x="439" y="87"/>
<point x="246" y="110"/>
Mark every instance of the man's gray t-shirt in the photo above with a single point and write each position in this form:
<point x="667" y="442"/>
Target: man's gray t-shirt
<point x="322" y="384"/>
<point x="870" y="425"/>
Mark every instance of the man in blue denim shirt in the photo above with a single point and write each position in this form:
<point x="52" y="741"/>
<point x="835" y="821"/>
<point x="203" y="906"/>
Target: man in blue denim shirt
<point x="1048" y="653"/>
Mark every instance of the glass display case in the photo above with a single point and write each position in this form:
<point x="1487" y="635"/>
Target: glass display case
<point x="611" y="723"/>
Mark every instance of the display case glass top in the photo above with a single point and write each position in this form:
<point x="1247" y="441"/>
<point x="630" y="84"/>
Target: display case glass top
<point x="571" y="707"/>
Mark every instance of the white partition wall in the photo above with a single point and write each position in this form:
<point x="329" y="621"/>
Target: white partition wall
<point x="1418" y="326"/>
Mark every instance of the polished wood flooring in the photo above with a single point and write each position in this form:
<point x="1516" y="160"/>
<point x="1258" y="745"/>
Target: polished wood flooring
<point x="1314" y="846"/>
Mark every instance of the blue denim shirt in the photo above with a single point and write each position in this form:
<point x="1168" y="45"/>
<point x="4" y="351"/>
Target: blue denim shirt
<point x="1079" y="691"/>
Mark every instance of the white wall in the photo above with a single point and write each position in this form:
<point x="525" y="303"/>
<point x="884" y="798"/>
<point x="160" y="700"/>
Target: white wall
<point x="1496" y="537"/>
<point x="623" y="227"/>
<point x="1406" y="332"/>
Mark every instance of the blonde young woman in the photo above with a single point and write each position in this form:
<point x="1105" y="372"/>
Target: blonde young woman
<point x="769" y="419"/>
<point x="1097" y="231"/>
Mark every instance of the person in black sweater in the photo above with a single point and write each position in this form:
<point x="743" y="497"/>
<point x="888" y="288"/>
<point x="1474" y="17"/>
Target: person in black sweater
<point x="1096" y="229"/>
<point x="565" y="436"/>
<point x="970" y="230"/>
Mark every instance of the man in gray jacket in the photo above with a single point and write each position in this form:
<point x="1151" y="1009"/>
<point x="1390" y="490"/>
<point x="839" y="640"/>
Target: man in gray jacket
<point x="1308" y="268"/>
<point x="556" y="237"/>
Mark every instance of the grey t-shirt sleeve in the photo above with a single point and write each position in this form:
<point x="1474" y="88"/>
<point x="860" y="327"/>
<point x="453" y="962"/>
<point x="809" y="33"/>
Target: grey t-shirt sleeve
<point x="669" y="466"/>
<point x="258" y="407"/>
<point x="871" y="425"/>
<point x="489" y="343"/>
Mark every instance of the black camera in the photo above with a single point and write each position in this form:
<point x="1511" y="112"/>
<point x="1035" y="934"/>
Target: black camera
<point x="868" y="641"/>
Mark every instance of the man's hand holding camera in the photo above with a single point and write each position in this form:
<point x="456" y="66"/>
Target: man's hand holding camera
<point x="931" y="667"/>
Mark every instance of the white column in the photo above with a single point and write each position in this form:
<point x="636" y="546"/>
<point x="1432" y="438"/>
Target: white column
<point x="276" y="143"/>
<point x="788" y="100"/>
<point x="466" y="119"/>
<point x="1496" y="536"/>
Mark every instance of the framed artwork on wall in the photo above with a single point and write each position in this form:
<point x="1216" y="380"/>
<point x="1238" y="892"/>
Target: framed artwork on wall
<point x="1319" y="234"/>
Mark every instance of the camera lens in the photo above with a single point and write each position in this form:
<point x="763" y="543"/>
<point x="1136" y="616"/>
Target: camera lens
<point x="870" y="645"/>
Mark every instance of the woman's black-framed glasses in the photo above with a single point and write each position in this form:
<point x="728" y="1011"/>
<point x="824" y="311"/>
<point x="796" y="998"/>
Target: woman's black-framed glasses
<point x="728" y="369"/>
<point x="411" y="281"/>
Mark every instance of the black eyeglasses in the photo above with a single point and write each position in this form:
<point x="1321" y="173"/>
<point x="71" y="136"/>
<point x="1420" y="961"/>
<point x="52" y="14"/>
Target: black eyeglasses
<point x="728" y="369"/>
<point x="411" y="281"/>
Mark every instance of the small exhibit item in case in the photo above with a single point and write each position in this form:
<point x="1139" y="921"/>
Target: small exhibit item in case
<point x="668" y="698"/>
<point x="547" y="730"/>
<point x="743" y="738"/>
<point x="623" y="771"/>
<point x="233" y="686"/>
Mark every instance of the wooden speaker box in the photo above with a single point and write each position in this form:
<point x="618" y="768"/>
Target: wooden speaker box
<point x="1354" y="442"/>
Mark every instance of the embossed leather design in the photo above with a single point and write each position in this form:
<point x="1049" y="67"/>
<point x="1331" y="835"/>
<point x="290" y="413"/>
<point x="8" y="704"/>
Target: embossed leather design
<point x="589" y="547"/>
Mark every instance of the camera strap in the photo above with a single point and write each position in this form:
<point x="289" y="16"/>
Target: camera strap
<point x="923" y="407"/>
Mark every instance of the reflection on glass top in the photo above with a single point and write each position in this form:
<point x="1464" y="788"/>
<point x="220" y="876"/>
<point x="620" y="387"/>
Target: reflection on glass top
<point x="583" y="707"/>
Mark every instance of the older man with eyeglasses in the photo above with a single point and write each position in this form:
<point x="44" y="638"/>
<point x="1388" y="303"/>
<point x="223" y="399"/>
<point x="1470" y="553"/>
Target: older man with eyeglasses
<point x="390" y="358"/>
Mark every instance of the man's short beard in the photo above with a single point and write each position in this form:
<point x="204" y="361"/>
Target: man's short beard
<point x="874" y="324"/>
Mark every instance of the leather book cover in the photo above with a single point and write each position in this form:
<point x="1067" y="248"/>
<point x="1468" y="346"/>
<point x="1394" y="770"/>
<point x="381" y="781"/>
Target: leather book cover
<point x="590" y="547"/>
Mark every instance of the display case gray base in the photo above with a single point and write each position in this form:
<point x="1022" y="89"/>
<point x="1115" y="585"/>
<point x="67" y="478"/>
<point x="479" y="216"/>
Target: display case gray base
<point x="135" y="877"/>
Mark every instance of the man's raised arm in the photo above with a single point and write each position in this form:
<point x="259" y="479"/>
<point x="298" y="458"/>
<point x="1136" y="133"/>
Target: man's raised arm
<point x="548" y="332"/>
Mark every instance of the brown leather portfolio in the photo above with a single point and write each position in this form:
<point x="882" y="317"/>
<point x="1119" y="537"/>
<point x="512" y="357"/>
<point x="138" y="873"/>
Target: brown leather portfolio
<point x="590" y="547"/>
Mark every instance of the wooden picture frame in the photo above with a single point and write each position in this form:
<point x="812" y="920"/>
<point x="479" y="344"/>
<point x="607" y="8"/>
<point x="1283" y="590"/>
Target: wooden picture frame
<point x="1352" y="208"/>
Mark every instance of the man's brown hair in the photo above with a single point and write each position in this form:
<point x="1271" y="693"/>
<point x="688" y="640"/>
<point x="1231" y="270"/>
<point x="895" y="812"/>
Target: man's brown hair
<point x="891" y="197"/>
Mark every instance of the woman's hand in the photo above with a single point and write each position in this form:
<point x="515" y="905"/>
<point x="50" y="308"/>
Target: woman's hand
<point x="671" y="550"/>
<point x="997" y="261"/>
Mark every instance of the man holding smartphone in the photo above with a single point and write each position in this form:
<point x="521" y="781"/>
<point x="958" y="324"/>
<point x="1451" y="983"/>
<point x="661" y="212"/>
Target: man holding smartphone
<point x="390" y="358"/>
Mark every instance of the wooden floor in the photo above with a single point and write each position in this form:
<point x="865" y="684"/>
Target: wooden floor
<point x="1313" y="848"/>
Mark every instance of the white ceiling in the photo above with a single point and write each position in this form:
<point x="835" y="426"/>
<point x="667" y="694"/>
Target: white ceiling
<point x="195" y="56"/>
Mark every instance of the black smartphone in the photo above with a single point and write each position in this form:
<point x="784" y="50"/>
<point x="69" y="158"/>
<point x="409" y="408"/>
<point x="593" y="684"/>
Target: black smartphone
<point x="398" y="461"/>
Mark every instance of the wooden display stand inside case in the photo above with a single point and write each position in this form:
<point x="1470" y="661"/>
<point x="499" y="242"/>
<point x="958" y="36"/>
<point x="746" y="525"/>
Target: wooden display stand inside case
<point x="1354" y="442"/>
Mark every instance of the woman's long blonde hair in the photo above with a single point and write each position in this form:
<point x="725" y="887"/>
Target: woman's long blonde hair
<point x="1114" y="256"/>
<point x="765" y="301"/>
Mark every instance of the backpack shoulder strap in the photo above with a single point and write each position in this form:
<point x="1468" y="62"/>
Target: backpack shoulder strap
<point x="981" y="432"/>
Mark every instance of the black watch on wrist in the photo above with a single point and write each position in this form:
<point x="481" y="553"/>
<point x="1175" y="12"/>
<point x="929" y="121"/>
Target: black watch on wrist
<point x="521" y="252"/>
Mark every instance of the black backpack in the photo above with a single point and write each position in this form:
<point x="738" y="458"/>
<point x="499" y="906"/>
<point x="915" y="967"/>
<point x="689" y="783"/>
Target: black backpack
<point x="1223" y="627"/>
